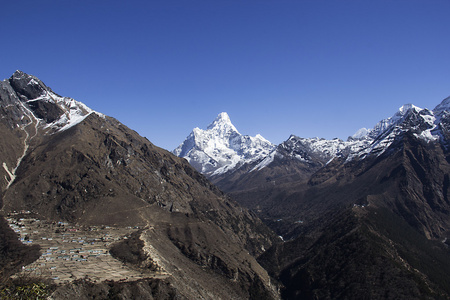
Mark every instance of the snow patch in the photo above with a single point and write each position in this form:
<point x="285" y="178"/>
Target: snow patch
<point x="265" y="162"/>
<point x="33" y="82"/>
<point x="74" y="111"/>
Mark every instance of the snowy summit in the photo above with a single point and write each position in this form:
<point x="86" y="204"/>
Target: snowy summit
<point x="221" y="147"/>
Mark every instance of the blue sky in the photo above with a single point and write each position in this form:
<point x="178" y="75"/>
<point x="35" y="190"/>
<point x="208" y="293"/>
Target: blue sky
<point x="309" y="68"/>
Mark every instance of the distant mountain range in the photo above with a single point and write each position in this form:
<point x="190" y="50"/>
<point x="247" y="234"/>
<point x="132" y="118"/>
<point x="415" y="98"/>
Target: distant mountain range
<point x="222" y="149"/>
<point x="365" y="218"/>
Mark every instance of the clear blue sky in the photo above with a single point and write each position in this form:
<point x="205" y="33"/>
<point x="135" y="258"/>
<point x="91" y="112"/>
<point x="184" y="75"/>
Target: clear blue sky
<point x="309" y="68"/>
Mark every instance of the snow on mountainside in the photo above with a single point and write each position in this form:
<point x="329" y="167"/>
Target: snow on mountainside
<point x="424" y="124"/>
<point x="304" y="149"/>
<point x="39" y="103"/>
<point x="221" y="147"/>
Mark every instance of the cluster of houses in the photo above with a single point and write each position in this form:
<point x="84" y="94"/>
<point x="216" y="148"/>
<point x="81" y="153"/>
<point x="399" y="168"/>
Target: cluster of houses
<point x="69" y="252"/>
<point x="61" y="242"/>
<point x="73" y="254"/>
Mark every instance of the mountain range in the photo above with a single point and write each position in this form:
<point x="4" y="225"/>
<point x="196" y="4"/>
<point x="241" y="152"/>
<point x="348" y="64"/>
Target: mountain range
<point x="222" y="149"/>
<point x="365" y="218"/>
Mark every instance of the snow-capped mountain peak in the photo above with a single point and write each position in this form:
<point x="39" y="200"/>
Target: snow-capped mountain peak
<point x="222" y="119"/>
<point x="51" y="111"/>
<point x="221" y="147"/>
<point x="222" y="125"/>
<point x="407" y="107"/>
<point x="375" y="141"/>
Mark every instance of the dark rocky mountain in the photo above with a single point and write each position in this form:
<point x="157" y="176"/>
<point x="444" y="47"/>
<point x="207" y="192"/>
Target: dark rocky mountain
<point x="366" y="218"/>
<point x="64" y="162"/>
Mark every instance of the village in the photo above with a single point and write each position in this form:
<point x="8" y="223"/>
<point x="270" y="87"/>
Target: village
<point x="70" y="252"/>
